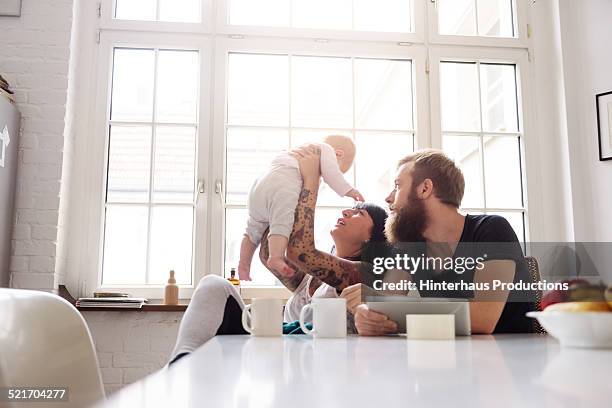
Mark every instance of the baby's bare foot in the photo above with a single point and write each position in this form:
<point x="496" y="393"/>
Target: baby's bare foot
<point x="279" y="265"/>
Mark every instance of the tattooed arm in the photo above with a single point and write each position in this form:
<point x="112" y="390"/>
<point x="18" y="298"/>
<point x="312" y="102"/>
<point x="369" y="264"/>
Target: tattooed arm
<point x="335" y="271"/>
<point x="290" y="282"/>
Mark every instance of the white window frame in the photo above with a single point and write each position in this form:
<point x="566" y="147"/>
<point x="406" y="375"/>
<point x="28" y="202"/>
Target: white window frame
<point x="214" y="38"/>
<point x="529" y="143"/>
<point x="520" y="23"/>
<point x="108" y="22"/>
<point x="417" y="36"/>
<point x="99" y="155"/>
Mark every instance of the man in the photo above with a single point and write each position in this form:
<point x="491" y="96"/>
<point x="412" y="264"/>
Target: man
<point x="424" y="207"/>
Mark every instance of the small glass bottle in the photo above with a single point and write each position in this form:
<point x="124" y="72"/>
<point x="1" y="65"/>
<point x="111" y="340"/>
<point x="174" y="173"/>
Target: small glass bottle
<point x="171" y="296"/>
<point x="235" y="281"/>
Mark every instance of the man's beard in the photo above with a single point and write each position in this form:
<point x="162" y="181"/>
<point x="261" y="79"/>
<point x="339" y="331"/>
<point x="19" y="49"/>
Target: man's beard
<point x="408" y="223"/>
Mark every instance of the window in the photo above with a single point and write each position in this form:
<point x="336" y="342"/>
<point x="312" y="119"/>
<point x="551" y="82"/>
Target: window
<point x="481" y="132"/>
<point x="150" y="194"/>
<point x="489" y="18"/>
<point x="183" y="132"/>
<point x="358" y="15"/>
<point x="280" y="101"/>
<point x="184" y="11"/>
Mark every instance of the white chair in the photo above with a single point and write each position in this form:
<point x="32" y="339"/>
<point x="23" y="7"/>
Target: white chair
<point x="45" y="342"/>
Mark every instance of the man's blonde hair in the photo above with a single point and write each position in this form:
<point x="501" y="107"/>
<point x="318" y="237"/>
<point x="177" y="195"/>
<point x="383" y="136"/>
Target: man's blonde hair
<point x="447" y="178"/>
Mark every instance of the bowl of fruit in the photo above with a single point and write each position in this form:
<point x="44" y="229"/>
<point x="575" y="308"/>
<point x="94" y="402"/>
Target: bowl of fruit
<point x="580" y="316"/>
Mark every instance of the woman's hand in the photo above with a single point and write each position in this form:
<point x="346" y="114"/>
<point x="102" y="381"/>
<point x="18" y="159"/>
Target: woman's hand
<point x="370" y="323"/>
<point x="352" y="294"/>
<point x="309" y="160"/>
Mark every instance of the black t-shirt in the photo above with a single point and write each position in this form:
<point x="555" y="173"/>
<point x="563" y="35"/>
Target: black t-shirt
<point x="493" y="237"/>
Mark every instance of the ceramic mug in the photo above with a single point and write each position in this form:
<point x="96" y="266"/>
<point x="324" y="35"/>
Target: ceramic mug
<point x="263" y="317"/>
<point x="328" y="317"/>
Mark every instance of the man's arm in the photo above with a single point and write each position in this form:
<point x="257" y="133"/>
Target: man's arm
<point x="486" y="306"/>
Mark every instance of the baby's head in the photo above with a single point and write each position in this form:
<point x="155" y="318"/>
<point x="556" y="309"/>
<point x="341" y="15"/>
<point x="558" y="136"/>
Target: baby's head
<point x="344" y="148"/>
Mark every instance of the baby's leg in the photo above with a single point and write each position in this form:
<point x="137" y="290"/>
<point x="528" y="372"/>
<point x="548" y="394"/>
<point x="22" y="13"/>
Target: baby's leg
<point x="276" y="260"/>
<point x="247" y="250"/>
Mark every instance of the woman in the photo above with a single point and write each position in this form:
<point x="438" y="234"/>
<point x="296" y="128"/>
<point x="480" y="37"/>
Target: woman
<point x="216" y="306"/>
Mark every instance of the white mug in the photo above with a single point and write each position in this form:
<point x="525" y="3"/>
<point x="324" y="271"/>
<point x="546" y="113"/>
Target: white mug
<point x="328" y="317"/>
<point x="263" y="317"/>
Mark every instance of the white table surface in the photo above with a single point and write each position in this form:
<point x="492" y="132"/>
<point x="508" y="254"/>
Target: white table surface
<point x="297" y="371"/>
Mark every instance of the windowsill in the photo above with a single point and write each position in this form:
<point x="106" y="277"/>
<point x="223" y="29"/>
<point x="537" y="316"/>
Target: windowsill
<point x="154" y="305"/>
<point x="151" y="306"/>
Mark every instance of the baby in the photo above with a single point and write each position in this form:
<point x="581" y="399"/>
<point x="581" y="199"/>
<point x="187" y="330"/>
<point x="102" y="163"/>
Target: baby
<point x="274" y="196"/>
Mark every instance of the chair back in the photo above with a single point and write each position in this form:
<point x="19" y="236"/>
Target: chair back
<point x="45" y="342"/>
<point x="534" y="273"/>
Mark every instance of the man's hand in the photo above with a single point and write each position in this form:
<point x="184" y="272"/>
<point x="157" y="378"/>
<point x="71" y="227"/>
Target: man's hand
<point x="352" y="294"/>
<point x="309" y="160"/>
<point x="370" y="323"/>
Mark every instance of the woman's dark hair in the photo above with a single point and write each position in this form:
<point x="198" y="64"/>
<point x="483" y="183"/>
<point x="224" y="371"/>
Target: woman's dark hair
<point x="377" y="246"/>
<point x="379" y="217"/>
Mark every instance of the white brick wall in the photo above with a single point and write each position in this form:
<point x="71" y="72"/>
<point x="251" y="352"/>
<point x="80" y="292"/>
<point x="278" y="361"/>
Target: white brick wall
<point x="35" y="59"/>
<point x="39" y="54"/>
<point x="131" y="345"/>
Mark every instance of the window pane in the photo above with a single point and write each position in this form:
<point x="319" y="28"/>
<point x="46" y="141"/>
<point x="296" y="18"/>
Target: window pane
<point x="335" y="15"/>
<point x="175" y="152"/>
<point x="249" y="153"/>
<point x="135" y="9"/>
<point x="184" y="11"/>
<point x="499" y="97"/>
<point x="132" y="95"/>
<point x="503" y="172"/>
<point x="383" y="15"/>
<point x="456" y="17"/>
<point x="491" y="18"/>
<point x="129" y="164"/>
<point x="301" y="136"/>
<point x="325" y="220"/>
<point x="271" y="13"/>
<point x="495" y="18"/>
<point x="235" y="225"/>
<point x="328" y="197"/>
<point x="376" y="162"/>
<point x="177" y="86"/>
<point x="459" y="96"/>
<point x="321" y="92"/>
<point x="125" y="245"/>
<point x="383" y="94"/>
<point x="258" y="90"/>
<point x="516" y="220"/>
<point x="465" y="151"/>
<point x="171" y="244"/>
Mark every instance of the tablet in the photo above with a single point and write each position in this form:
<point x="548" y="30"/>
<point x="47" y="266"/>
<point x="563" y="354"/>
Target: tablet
<point x="398" y="309"/>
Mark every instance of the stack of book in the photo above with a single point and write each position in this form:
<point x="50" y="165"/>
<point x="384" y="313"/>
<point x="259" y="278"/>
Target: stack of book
<point x="117" y="300"/>
<point x="5" y="90"/>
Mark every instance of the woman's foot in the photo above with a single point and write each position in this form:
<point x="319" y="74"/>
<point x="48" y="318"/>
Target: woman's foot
<point x="278" y="264"/>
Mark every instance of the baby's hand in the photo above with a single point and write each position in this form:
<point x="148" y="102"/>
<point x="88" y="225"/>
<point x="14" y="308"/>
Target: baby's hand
<point x="355" y="195"/>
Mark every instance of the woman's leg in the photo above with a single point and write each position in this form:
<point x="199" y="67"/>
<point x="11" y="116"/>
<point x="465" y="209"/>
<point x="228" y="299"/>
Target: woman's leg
<point x="215" y="308"/>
